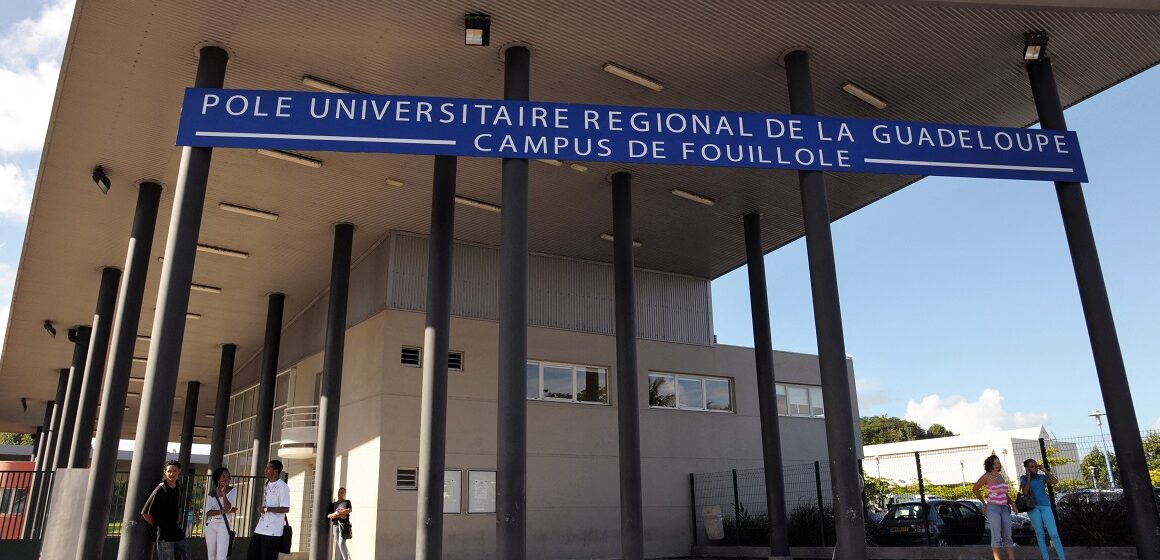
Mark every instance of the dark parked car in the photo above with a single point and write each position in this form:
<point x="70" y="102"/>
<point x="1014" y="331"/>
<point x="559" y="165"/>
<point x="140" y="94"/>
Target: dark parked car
<point x="943" y="522"/>
<point x="1021" y="530"/>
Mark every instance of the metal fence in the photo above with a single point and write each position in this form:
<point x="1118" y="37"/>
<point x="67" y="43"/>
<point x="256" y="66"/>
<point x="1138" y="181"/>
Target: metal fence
<point x="25" y="497"/>
<point x="729" y="507"/>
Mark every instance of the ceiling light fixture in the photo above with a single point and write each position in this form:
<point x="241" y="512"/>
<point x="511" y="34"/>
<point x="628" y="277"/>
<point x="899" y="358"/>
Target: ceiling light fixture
<point x="394" y="182"/>
<point x="608" y="237"/>
<point x="143" y="337"/>
<point x="205" y="288"/>
<point x="193" y="316"/>
<point x="633" y="76"/>
<point x="291" y="157"/>
<point x="578" y="167"/>
<point x="477" y="204"/>
<point x="247" y="211"/>
<point x="698" y="198"/>
<point x="101" y="179"/>
<point x="864" y="94"/>
<point x="552" y="162"/>
<point x="1034" y="46"/>
<point x="476" y="30"/>
<point x="140" y="360"/>
<point x="222" y="251"/>
<point x="327" y="85"/>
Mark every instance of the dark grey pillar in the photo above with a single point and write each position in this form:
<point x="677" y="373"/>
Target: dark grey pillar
<point x="86" y="416"/>
<point x="221" y="411"/>
<point x="169" y="321"/>
<point x="185" y="451"/>
<point x="268" y="382"/>
<point x="32" y="504"/>
<point x="1093" y="295"/>
<point x="99" y="490"/>
<point x="331" y="398"/>
<point x="40" y="499"/>
<point x="72" y="398"/>
<point x="628" y="410"/>
<point x="37" y="439"/>
<point x="436" y="342"/>
<point x="766" y="390"/>
<point x="840" y="441"/>
<point x="512" y="444"/>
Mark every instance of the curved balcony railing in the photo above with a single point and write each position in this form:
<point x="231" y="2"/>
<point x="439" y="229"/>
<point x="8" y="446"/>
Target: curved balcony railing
<point x="299" y="432"/>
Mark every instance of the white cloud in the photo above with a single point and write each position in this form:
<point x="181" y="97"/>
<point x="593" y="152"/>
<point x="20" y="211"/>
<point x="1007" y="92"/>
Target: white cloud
<point x="30" y="54"/>
<point x="871" y="392"/>
<point x="15" y="191"/>
<point x="963" y="416"/>
<point x="1156" y="424"/>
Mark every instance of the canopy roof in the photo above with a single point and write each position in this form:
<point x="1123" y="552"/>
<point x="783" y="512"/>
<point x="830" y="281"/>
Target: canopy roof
<point x="128" y="62"/>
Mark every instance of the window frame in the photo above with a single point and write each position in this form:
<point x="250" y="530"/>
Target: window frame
<point x="782" y="391"/>
<point x="576" y="371"/>
<point x="676" y="378"/>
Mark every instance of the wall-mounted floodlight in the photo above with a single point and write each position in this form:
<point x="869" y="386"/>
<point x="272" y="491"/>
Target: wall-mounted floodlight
<point x="72" y="335"/>
<point x="633" y="76"/>
<point x="867" y="96"/>
<point x="101" y="179"/>
<point x="1034" y="46"/>
<point x="51" y="330"/>
<point x="476" y="30"/>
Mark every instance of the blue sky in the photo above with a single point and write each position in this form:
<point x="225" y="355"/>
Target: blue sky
<point x="958" y="297"/>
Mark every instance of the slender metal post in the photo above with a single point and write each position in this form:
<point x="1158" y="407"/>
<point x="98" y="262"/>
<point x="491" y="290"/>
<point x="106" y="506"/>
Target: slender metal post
<point x="72" y="399"/>
<point x="188" y="420"/>
<point x="821" y="504"/>
<point x="1047" y="466"/>
<point x="86" y="416"/>
<point x="161" y="372"/>
<point x="99" y="490"/>
<point x="922" y="494"/>
<point x="628" y="411"/>
<point x="736" y="511"/>
<point x="264" y="413"/>
<point x="512" y="433"/>
<point x="221" y="411"/>
<point x="436" y="342"/>
<point x="41" y="499"/>
<point x="693" y="503"/>
<point x="842" y="450"/>
<point x="1097" y="310"/>
<point x="32" y="505"/>
<point x="766" y="389"/>
<point x="331" y="399"/>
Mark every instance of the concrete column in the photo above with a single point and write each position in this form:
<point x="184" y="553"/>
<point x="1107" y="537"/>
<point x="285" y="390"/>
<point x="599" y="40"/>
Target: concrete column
<point x="264" y="410"/>
<point x="840" y="441"/>
<point x="628" y="409"/>
<point x="32" y="504"/>
<point x="86" y="417"/>
<point x="512" y="443"/>
<point x="766" y="390"/>
<point x="72" y="398"/>
<point x="156" y="415"/>
<point x="99" y="491"/>
<point x="436" y="343"/>
<point x="188" y="421"/>
<point x="1097" y="310"/>
<point x="221" y="412"/>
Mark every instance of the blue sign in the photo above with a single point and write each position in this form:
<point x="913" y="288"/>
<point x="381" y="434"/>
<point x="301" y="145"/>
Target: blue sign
<point x="307" y="121"/>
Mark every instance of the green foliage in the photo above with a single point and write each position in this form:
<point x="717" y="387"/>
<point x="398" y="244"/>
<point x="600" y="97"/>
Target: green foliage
<point x="1095" y="460"/>
<point x="889" y="429"/>
<point x="8" y="438"/>
<point x="1056" y="458"/>
<point x="1152" y="452"/>
<point x="1103" y="523"/>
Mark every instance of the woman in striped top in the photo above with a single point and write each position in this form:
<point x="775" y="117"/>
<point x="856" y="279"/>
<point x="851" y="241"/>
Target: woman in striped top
<point x="998" y="504"/>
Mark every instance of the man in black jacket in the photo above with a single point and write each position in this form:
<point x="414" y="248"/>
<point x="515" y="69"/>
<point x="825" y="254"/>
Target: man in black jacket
<point x="164" y="512"/>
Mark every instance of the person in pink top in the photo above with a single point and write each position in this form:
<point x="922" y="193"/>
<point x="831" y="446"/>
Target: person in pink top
<point x="998" y="504"/>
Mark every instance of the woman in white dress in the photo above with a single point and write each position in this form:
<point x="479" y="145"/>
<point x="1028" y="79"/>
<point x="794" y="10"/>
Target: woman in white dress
<point x="219" y="514"/>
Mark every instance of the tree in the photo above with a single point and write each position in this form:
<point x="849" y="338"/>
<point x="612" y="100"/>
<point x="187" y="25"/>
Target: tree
<point x="7" y="438"/>
<point x="889" y="429"/>
<point x="1152" y="450"/>
<point x="1095" y="460"/>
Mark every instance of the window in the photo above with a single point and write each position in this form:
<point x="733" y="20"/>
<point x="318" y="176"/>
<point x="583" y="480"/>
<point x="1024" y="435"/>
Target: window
<point x="481" y="491"/>
<point x="800" y="400"/>
<point x="567" y="383"/>
<point x="406" y="479"/>
<point x="690" y="392"/>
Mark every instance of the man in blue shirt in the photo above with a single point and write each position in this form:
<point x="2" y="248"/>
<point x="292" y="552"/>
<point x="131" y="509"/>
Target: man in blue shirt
<point x="1035" y="482"/>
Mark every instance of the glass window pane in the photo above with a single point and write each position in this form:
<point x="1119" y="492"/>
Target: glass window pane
<point x="816" y="408"/>
<point x="557" y="382"/>
<point x="235" y="405"/>
<point x="280" y="389"/>
<point x="248" y="403"/>
<point x="481" y="492"/>
<point x="276" y="425"/>
<point x="717" y="395"/>
<point x="782" y="404"/>
<point x="452" y="484"/>
<point x="662" y="391"/>
<point x="591" y="385"/>
<point x="690" y="393"/>
<point x="533" y="380"/>
<point x="799" y="401"/>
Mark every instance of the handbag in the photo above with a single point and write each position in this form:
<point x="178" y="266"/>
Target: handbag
<point x="287" y="537"/>
<point x="221" y="508"/>
<point x="1025" y="501"/>
<point x="346" y="534"/>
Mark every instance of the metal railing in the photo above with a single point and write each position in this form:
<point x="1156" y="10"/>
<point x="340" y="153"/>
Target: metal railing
<point x="300" y="417"/>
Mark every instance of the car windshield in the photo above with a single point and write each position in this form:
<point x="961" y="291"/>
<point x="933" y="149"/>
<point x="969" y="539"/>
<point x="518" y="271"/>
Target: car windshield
<point x="912" y="511"/>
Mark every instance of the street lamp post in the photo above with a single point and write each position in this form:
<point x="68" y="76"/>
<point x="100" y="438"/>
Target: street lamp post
<point x="1099" y="416"/>
<point x="963" y="472"/>
<point x="1095" y="481"/>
